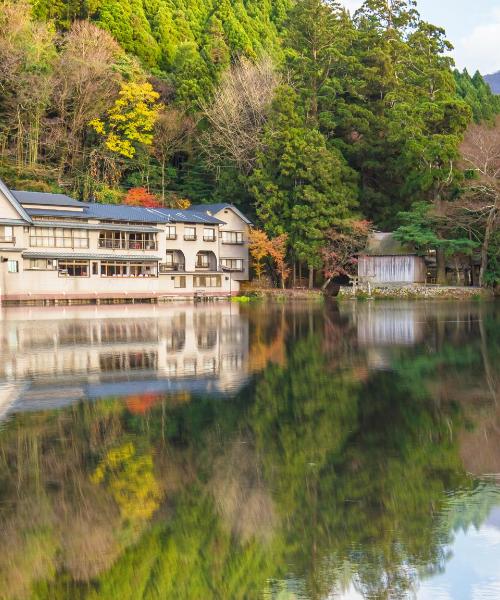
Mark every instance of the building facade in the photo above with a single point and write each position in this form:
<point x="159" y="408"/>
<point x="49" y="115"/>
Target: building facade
<point x="53" y="247"/>
<point x="386" y="261"/>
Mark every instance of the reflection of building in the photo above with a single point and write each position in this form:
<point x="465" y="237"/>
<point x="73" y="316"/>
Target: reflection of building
<point x="73" y="354"/>
<point x="55" y="248"/>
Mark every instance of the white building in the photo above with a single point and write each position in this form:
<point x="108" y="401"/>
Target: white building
<point x="53" y="247"/>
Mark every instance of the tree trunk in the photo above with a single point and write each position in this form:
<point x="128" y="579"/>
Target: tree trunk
<point x="490" y="224"/>
<point x="311" y="278"/>
<point x="473" y="280"/>
<point x="294" y="275"/>
<point x="441" y="267"/>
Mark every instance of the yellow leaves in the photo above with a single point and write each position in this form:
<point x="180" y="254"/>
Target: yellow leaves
<point x="130" y="120"/>
<point x="131" y="481"/>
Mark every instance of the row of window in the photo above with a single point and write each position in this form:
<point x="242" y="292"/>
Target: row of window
<point x="59" y="237"/>
<point x="82" y="268"/>
<point x="79" y="268"/>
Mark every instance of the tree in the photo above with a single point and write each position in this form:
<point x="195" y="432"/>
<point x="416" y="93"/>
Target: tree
<point x="130" y="121"/>
<point x="237" y="113"/>
<point x="278" y="251"/>
<point x="258" y="246"/>
<point x="86" y="83"/>
<point x="302" y="187"/>
<point x="343" y="243"/>
<point x="172" y="130"/>
<point x="141" y="197"/>
<point x="481" y="156"/>
<point x="27" y="55"/>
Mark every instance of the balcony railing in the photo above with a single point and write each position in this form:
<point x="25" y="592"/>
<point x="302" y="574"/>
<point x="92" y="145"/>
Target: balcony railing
<point x="172" y="268"/>
<point x="128" y="245"/>
<point x="209" y="238"/>
<point x="233" y="269"/>
<point x="233" y="242"/>
<point x="171" y="236"/>
<point x="190" y="238"/>
<point x="7" y="239"/>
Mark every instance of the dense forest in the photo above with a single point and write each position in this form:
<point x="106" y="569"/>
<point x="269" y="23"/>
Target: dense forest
<point x="315" y="122"/>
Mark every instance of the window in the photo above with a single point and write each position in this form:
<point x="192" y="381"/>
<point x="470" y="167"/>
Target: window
<point x="189" y="233"/>
<point x="7" y="235"/>
<point x="141" y="241"/>
<point x="73" y="268"/>
<point x="202" y="261"/>
<point x="112" y="239"/>
<point x="171" y="232"/>
<point x="180" y="281"/>
<point x="41" y="264"/>
<point x="232" y="264"/>
<point x="116" y="268"/>
<point x="95" y="268"/>
<point x="13" y="266"/>
<point x="143" y="269"/>
<point x="58" y="237"/>
<point x="207" y="281"/>
<point x="209" y="234"/>
<point x="232" y="237"/>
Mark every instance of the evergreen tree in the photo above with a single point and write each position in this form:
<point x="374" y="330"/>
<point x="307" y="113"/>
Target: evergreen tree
<point x="302" y="187"/>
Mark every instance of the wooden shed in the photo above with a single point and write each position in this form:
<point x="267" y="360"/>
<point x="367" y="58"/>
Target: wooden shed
<point x="387" y="261"/>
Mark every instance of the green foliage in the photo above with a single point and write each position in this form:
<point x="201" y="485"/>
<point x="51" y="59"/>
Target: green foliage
<point x="485" y="105"/>
<point x="302" y="187"/>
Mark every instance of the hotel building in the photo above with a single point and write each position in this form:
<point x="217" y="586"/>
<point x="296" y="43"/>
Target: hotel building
<point x="53" y="247"/>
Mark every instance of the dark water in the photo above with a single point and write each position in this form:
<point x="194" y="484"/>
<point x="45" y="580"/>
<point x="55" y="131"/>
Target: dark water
<point x="264" y="451"/>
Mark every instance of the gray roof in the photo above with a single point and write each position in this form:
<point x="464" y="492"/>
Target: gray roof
<point x="44" y="212"/>
<point x="385" y="244"/>
<point x="45" y="198"/>
<point x="213" y="209"/>
<point x="202" y="213"/>
<point x="89" y="256"/>
<point x="98" y="226"/>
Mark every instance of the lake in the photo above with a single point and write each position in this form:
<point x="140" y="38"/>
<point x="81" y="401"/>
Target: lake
<point x="279" y="451"/>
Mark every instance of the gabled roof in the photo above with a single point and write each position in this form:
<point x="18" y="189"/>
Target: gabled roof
<point x="118" y="212"/>
<point x="46" y="198"/>
<point x="385" y="244"/>
<point x="14" y="202"/>
<point x="213" y="209"/>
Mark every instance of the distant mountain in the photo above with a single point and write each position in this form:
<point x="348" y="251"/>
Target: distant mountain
<point x="494" y="82"/>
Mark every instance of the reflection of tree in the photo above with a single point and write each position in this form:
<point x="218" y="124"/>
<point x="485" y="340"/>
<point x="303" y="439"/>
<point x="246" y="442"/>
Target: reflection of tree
<point x="348" y="479"/>
<point x="360" y="471"/>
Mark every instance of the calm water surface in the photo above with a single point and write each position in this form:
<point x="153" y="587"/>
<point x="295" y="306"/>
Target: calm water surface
<point x="265" y="451"/>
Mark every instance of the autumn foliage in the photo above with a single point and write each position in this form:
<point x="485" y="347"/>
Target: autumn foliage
<point x="261" y="247"/>
<point x="139" y="196"/>
<point x="343" y="243"/>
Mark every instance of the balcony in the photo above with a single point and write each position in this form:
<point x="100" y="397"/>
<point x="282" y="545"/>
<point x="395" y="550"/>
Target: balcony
<point x="7" y="239"/>
<point x="233" y="269"/>
<point x="128" y="244"/>
<point x="190" y="238"/>
<point x="207" y="238"/>
<point x="171" y="236"/>
<point x="172" y="268"/>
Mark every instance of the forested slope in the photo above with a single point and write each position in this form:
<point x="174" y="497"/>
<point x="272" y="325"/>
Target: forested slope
<point x="307" y="117"/>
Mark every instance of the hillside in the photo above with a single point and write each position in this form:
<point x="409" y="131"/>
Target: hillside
<point x="494" y="82"/>
<point x="304" y="116"/>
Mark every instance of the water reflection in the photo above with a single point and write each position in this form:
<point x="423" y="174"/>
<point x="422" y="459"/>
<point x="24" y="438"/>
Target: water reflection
<point x="276" y="451"/>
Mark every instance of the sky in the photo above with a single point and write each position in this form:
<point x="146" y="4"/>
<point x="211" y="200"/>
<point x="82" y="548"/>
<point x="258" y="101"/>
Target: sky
<point x="472" y="26"/>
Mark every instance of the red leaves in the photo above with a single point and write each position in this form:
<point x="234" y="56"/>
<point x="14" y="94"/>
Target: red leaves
<point x="139" y="196"/>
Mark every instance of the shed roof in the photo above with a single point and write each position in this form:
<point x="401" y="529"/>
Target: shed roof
<point x="385" y="244"/>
